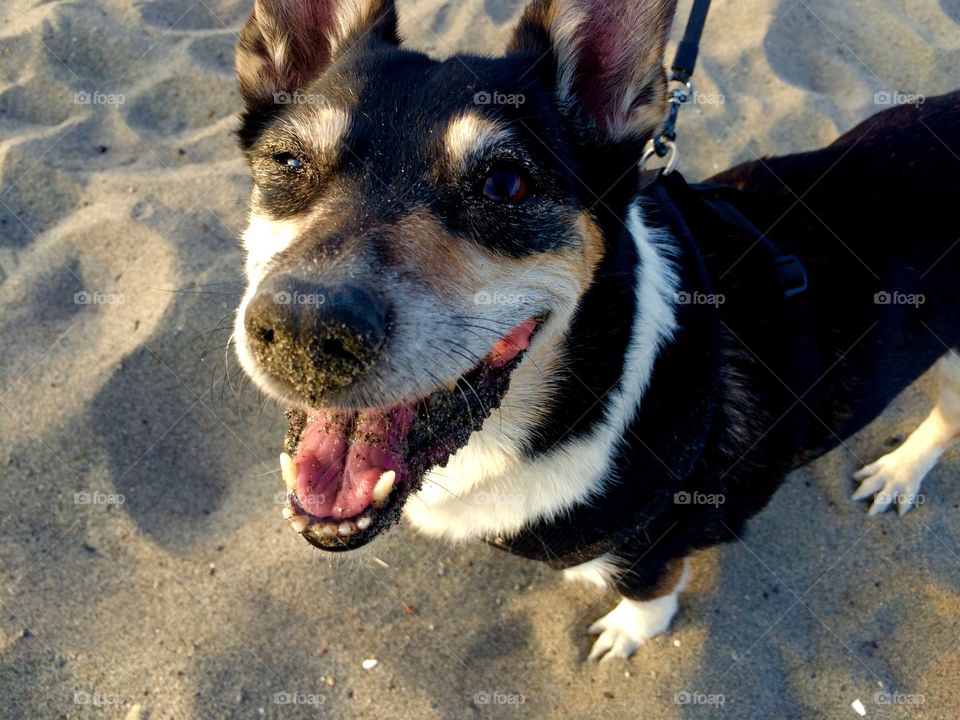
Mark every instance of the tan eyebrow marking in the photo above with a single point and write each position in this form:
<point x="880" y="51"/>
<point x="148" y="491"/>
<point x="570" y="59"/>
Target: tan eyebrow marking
<point x="321" y="128"/>
<point x="469" y="135"/>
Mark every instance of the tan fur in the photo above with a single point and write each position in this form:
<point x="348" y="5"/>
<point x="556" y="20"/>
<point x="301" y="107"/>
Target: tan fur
<point x="470" y="135"/>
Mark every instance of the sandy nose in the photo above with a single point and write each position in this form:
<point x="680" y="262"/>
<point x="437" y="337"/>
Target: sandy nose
<point x="316" y="337"/>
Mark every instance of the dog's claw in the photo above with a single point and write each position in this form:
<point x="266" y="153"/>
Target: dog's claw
<point x="628" y="626"/>
<point x="894" y="479"/>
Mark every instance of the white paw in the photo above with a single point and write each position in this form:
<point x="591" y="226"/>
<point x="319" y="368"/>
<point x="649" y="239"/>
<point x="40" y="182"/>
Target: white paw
<point x="893" y="479"/>
<point x="630" y="624"/>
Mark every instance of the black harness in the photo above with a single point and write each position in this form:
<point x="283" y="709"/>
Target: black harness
<point x="676" y="415"/>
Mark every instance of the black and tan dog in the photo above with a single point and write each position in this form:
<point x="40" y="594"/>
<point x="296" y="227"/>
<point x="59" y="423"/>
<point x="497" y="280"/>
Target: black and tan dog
<point x="458" y="286"/>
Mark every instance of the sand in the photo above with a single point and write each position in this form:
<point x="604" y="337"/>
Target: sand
<point x="145" y="570"/>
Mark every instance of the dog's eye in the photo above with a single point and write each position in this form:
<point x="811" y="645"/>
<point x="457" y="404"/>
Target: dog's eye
<point x="290" y="161"/>
<point x="505" y="184"/>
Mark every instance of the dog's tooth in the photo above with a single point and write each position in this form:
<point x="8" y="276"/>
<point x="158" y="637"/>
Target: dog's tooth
<point x="299" y="523"/>
<point x="346" y="528"/>
<point x="288" y="468"/>
<point x="328" y="529"/>
<point x="364" y="522"/>
<point x="384" y="486"/>
<point x="289" y="511"/>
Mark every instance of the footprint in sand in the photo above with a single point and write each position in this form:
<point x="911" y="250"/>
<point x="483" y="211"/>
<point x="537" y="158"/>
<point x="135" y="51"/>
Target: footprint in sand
<point x="185" y="15"/>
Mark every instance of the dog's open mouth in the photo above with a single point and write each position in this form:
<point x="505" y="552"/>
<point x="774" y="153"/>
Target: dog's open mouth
<point x="348" y="472"/>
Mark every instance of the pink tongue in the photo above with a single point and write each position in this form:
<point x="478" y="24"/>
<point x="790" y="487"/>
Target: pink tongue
<point x="342" y="455"/>
<point x="512" y="344"/>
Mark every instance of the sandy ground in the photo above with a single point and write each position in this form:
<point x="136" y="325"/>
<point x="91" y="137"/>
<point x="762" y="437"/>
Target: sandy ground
<point x="144" y="567"/>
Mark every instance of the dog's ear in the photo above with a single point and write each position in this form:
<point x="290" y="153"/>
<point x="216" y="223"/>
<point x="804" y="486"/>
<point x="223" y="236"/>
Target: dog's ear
<point x="605" y="58"/>
<point x="286" y="43"/>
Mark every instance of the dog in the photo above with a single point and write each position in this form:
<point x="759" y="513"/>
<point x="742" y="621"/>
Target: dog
<point x="482" y="321"/>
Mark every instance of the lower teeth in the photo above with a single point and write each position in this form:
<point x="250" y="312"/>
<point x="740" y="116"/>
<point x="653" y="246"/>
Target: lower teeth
<point x="300" y="522"/>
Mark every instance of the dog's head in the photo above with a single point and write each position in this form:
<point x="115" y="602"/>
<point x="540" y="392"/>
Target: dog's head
<point x="421" y="229"/>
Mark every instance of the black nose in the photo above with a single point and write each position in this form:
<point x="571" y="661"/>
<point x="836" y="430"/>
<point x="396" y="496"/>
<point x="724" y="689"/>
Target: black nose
<point x="318" y="338"/>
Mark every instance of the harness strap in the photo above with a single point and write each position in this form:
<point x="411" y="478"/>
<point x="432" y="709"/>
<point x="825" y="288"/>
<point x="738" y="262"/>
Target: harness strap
<point x="721" y="199"/>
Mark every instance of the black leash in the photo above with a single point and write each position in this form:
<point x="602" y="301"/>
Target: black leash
<point x="686" y="58"/>
<point x="789" y="269"/>
<point x="681" y="72"/>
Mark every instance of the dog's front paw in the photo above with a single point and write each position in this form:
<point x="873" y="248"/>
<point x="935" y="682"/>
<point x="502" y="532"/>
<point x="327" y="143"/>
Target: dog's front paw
<point x="893" y="479"/>
<point x="630" y="624"/>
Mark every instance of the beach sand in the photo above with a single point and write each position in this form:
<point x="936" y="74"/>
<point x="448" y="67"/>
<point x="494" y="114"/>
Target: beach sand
<point x="145" y="570"/>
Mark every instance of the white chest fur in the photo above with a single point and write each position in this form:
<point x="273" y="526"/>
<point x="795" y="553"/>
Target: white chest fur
<point x="489" y="489"/>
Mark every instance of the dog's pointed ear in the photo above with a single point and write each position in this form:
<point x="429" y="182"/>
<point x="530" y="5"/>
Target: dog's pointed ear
<point x="285" y="43"/>
<point x="606" y="59"/>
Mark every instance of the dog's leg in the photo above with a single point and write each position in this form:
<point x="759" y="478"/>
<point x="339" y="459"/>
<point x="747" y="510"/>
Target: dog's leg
<point x="632" y="622"/>
<point x="896" y="476"/>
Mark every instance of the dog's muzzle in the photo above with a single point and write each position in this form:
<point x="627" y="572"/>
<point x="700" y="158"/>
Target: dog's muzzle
<point x="317" y="338"/>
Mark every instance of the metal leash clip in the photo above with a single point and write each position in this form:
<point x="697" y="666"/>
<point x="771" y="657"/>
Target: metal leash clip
<point x="664" y="144"/>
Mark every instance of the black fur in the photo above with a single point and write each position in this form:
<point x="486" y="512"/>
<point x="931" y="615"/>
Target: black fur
<point x="796" y="376"/>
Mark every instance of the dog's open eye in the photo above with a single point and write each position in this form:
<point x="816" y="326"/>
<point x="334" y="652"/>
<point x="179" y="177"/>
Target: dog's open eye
<point x="505" y="184"/>
<point x="289" y="160"/>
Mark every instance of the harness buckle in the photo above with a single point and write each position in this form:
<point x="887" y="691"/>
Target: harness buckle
<point x="792" y="274"/>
